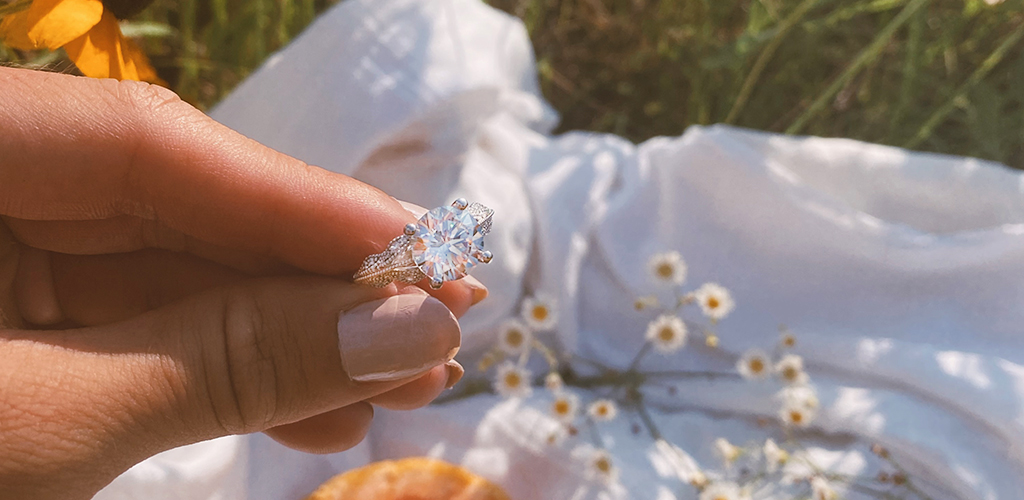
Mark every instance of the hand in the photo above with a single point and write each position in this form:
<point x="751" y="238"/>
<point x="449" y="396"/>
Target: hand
<point x="167" y="281"/>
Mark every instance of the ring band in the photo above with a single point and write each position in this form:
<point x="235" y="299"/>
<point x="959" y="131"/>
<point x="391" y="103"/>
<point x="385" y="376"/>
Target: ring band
<point x="442" y="246"/>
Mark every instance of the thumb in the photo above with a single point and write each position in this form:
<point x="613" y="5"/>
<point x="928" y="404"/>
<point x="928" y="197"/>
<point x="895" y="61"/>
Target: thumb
<point x="79" y="407"/>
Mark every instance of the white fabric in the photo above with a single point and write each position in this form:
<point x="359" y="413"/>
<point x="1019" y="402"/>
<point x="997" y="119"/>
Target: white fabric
<point x="901" y="273"/>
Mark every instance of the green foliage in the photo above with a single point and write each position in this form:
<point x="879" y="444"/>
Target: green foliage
<point x="214" y="44"/>
<point x="936" y="75"/>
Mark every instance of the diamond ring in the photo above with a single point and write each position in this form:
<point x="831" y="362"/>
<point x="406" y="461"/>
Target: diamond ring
<point x="443" y="246"/>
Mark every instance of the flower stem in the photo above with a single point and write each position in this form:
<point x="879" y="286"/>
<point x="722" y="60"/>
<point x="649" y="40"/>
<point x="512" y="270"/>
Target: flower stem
<point x="959" y="97"/>
<point x="645" y="417"/>
<point x="639" y="356"/>
<point x="862" y="59"/>
<point x="766" y="55"/>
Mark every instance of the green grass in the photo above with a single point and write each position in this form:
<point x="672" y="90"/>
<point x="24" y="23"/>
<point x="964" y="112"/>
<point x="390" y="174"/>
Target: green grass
<point x="934" y="75"/>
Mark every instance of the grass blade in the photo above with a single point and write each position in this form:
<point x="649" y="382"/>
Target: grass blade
<point x="863" y="58"/>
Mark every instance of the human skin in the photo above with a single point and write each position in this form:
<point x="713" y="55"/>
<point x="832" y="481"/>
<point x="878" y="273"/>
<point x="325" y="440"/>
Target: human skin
<point x="165" y="280"/>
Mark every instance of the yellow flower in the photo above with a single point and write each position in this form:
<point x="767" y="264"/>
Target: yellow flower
<point x="87" y="31"/>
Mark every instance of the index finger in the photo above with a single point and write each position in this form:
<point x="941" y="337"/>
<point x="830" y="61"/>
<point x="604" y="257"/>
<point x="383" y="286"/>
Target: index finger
<point x="83" y="149"/>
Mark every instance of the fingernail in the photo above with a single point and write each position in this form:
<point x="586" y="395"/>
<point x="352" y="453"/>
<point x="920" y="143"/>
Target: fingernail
<point x="478" y="289"/>
<point x="397" y="337"/>
<point x="455" y="373"/>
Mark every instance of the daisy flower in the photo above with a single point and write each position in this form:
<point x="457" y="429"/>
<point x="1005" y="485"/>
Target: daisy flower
<point x="727" y="451"/>
<point x="557" y="436"/>
<point x="565" y="406"/>
<point x="714" y="300"/>
<point x="774" y="456"/>
<point x="699" y="480"/>
<point x="514" y="337"/>
<point x="554" y="382"/>
<point x="603" y="410"/>
<point x="821" y="490"/>
<point x="602" y="467"/>
<point x="539" y="312"/>
<point x="645" y="302"/>
<point x="796" y="415"/>
<point x="800" y="395"/>
<point x="512" y="381"/>
<point x="667" y="268"/>
<point x="754" y="364"/>
<point x="791" y="370"/>
<point x="787" y="339"/>
<point x="667" y="333"/>
<point x="724" y="490"/>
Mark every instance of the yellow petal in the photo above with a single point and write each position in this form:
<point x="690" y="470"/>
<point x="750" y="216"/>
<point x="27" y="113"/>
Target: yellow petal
<point x="100" y="53"/>
<point x="145" y="70"/>
<point x="14" y="31"/>
<point x="49" y="24"/>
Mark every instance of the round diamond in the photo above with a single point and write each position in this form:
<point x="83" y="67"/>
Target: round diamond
<point x="446" y="243"/>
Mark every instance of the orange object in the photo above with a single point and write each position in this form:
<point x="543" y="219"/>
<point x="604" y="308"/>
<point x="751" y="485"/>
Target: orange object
<point x="409" y="479"/>
<point x="88" y="32"/>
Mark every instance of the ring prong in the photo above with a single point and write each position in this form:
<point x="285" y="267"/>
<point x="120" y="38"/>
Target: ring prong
<point x="410" y="229"/>
<point x="485" y="256"/>
<point x="436" y="283"/>
<point x="460" y="204"/>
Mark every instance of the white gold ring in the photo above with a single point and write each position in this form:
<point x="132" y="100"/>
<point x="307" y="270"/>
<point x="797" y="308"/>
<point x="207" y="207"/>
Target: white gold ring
<point x="443" y="246"/>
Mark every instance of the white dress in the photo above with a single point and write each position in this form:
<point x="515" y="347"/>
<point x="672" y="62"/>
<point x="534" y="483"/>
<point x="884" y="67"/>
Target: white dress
<point x="902" y="274"/>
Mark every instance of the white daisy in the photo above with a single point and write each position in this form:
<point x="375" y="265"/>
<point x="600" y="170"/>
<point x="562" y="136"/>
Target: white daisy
<point x="796" y="415"/>
<point x="668" y="268"/>
<point x="724" y="490"/>
<point x="754" y="364"/>
<point x="787" y="339"/>
<point x="512" y="380"/>
<point x="821" y="490"/>
<point x="603" y="410"/>
<point x="727" y="451"/>
<point x="539" y="312"/>
<point x="667" y="333"/>
<point x="554" y="382"/>
<point x="602" y="467"/>
<point x="800" y="395"/>
<point x="715" y="300"/>
<point x="791" y="370"/>
<point x="557" y="436"/>
<point x="514" y="336"/>
<point x="645" y="302"/>
<point x="699" y="480"/>
<point x="565" y="406"/>
<point x="774" y="456"/>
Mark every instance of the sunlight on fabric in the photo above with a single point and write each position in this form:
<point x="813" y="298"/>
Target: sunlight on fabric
<point x="964" y="366"/>
<point x="671" y="461"/>
<point x="870" y="350"/>
<point x="859" y="405"/>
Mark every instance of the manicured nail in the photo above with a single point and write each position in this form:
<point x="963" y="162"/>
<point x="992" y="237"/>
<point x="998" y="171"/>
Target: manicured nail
<point x="478" y="289"/>
<point x="455" y="373"/>
<point x="397" y="337"/>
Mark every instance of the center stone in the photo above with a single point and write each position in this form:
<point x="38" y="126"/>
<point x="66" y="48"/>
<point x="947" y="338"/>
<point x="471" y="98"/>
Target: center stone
<point x="446" y="243"/>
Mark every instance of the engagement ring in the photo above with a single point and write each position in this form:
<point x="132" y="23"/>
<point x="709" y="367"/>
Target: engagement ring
<point x="443" y="246"/>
